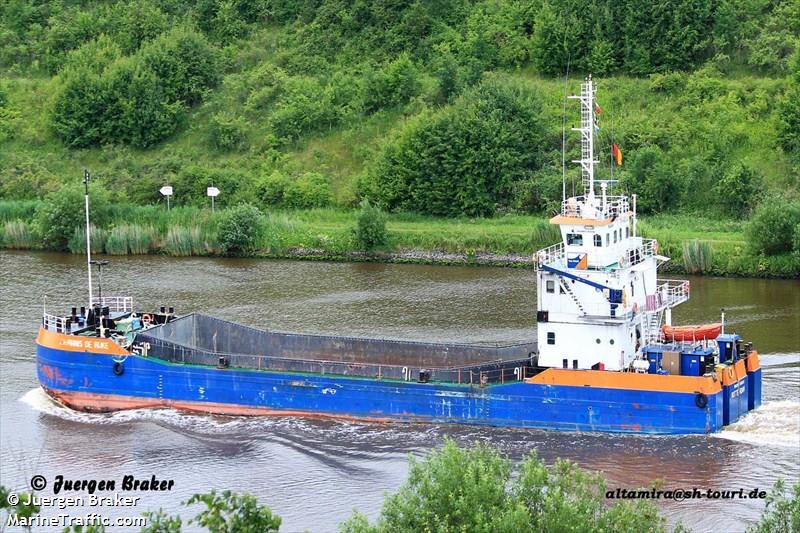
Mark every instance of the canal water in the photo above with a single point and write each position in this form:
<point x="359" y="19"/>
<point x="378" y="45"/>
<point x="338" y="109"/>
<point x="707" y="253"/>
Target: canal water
<point x="314" y="473"/>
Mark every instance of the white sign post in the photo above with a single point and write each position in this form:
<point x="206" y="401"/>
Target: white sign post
<point x="212" y="192"/>
<point x="166" y="190"/>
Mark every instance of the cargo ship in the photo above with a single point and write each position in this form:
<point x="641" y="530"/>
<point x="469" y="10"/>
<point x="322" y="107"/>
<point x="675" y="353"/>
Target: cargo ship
<point x="607" y="356"/>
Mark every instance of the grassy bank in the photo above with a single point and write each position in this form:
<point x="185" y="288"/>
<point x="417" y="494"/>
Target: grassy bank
<point x="695" y="244"/>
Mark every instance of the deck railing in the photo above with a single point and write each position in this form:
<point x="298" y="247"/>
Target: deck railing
<point x="577" y="207"/>
<point x="116" y="304"/>
<point x="59" y="324"/>
<point x="669" y="293"/>
<point x="551" y="254"/>
<point x="637" y="254"/>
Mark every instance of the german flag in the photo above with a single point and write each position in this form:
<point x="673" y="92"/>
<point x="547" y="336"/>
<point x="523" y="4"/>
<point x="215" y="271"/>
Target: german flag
<point x="616" y="153"/>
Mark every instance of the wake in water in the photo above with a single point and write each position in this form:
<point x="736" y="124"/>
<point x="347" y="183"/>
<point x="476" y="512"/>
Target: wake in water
<point x="774" y="423"/>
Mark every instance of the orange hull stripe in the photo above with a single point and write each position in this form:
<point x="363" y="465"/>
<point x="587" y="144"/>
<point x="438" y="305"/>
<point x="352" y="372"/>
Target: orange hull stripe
<point x="626" y="380"/>
<point x="76" y="343"/>
<point x="106" y="403"/>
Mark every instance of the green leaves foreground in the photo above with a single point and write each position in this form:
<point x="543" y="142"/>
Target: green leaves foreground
<point x="472" y="489"/>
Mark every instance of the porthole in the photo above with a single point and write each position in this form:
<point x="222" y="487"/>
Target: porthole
<point x="611" y="341"/>
<point x="598" y="341"/>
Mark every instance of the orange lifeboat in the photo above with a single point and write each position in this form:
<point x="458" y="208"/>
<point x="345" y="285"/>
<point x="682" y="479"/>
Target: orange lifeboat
<point x="692" y="333"/>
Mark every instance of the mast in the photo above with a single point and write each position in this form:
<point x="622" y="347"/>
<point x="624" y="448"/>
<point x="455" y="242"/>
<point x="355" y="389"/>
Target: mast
<point x="88" y="234"/>
<point x="587" y="159"/>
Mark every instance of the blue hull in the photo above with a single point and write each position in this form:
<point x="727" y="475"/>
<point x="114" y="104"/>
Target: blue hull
<point x="87" y="381"/>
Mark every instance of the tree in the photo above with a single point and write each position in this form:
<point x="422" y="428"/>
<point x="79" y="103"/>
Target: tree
<point x="185" y="62"/>
<point x="240" y="229"/>
<point x="464" y="159"/>
<point x="652" y="178"/>
<point x="789" y="111"/>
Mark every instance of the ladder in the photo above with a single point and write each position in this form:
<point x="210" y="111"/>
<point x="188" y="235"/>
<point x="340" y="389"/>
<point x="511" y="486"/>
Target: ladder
<point x="652" y="324"/>
<point x="575" y="299"/>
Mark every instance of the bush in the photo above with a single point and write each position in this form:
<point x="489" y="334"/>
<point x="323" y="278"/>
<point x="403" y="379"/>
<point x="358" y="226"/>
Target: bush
<point x="186" y="63"/>
<point x="473" y="489"/>
<point x="393" y="84"/>
<point x="464" y="159"/>
<point x="652" y="177"/>
<point x="771" y="229"/>
<point x="737" y="191"/>
<point x="782" y="513"/>
<point x="63" y="211"/>
<point x="228" y="132"/>
<point x="370" y="231"/>
<point x="271" y="188"/>
<point x="240" y="229"/>
<point x="796" y="244"/>
<point x="308" y="190"/>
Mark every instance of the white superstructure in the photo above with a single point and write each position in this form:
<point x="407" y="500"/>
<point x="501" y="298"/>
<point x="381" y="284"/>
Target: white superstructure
<point x="599" y="299"/>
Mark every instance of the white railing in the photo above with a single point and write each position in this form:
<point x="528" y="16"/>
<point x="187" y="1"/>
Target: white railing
<point x="549" y="255"/>
<point x="116" y="304"/>
<point x="59" y="324"/>
<point x="648" y="248"/>
<point x="578" y="207"/>
<point x="669" y="293"/>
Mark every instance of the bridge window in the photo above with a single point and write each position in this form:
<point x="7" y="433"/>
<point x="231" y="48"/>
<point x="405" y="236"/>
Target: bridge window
<point x="574" y="239"/>
<point x="565" y="362"/>
<point x="551" y="337"/>
<point x="551" y="285"/>
<point x="575" y="364"/>
<point x="627" y="232"/>
<point x="608" y="239"/>
<point x="615" y="235"/>
<point x="598" y="240"/>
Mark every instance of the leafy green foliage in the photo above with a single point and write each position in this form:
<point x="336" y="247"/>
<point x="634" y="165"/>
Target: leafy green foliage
<point x="185" y="62"/>
<point x="652" y="177"/>
<point x="472" y="489"/>
<point x="227" y="512"/>
<point x="465" y="158"/>
<point x="161" y="522"/>
<point x="370" y="231"/>
<point x="782" y="513"/>
<point x="227" y="132"/>
<point x="307" y="190"/>
<point x="63" y="211"/>
<point x="737" y="191"/>
<point x="771" y="230"/>
<point x="240" y="229"/>
<point x="393" y="84"/>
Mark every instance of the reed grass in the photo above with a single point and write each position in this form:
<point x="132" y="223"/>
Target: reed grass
<point x="698" y="256"/>
<point x="544" y="234"/>
<point x="130" y="239"/>
<point x="181" y="241"/>
<point x="15" y="210"/>
<point x="18" y="235"/>
<point x="77" y="244"/>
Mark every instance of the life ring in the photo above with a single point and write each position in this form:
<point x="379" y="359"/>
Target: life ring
<point x="119" y="368"/>
<point x="147" y="319"/>
<point x="701" y="400"/>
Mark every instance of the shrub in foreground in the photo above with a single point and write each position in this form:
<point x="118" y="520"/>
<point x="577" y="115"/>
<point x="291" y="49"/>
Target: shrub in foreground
<point x="771" y="230"/>
<point x="63" y="211"/>
<point x="370" y="231"/>
<point x="240" y="229"/>
<point x="472" y="489"/>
